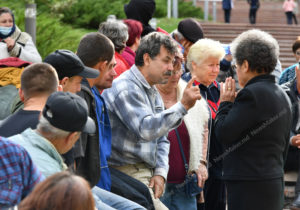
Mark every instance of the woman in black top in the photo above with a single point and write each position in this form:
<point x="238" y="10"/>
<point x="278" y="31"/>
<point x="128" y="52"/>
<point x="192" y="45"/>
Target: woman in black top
<point x="254" y="126"/>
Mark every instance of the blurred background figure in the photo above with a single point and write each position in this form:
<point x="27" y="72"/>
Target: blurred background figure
<point x="288" y="6"/>
<point x="13" y="42"/>
<point x="141" y="10"/>
<point x="117" y="32"/>
<point x="225" y="65"/>
<point x="289" y="73"/>
<point x="227" y="6"/>
<point x="60" y="191"/>
<point x="135" y="29"/>
<point x="295" y="13"/>
<point x="254" y="5"/>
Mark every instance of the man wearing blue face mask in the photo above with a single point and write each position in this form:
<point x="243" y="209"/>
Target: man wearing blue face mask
<point x="13" y="42"/>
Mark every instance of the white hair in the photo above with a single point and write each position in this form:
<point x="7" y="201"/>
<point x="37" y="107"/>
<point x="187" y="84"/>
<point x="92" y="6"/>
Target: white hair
<point x="203" y="49"/>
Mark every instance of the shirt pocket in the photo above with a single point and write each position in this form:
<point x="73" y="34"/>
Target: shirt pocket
<point x="10" y="191"/>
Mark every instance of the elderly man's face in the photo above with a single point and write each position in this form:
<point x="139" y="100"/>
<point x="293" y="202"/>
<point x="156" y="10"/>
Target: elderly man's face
<point x="206" y="72"/>
<point x="160" y="67"/>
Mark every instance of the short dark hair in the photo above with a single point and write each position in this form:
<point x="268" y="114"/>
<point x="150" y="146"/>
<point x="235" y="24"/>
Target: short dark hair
<point x="296" y="46"/>
<point x="258" y="48"/>
<point x="95" y="47"/>
<point x="151" y="44"/>
<point x="39" y="79"/>
<point x="60" y="191"/>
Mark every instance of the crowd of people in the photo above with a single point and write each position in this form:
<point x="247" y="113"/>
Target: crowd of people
<point x="140" y="119"/>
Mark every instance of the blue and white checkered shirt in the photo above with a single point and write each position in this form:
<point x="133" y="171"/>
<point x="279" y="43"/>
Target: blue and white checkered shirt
<point x="18" y="174"/>
<point x="139" y="122"/>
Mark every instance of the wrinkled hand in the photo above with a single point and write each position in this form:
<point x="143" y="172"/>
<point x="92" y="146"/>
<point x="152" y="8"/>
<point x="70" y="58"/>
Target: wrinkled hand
<point x="10" y="43"/>
<point x="202" y="175"/>
<point x="190" y="95"/>
<point x="296" y="141"/>
<point x="158" y="183"/>
<point x="227" y="90"/>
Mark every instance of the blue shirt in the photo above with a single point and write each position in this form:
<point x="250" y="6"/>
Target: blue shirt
<point x="18" y="174"/>
<point x="288" y="74"/>
<point x="104" y="139"/>
<point x="139" y="122"/>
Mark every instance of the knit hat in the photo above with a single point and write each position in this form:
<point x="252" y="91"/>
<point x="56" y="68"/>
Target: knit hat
<point x="190" y="29"/>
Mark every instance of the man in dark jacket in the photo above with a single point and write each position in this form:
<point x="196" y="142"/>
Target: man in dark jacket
<point x="91" y="153"/>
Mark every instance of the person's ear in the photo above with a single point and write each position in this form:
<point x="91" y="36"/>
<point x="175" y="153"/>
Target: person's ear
<point x="64" y="81"/>
<point x="194" y="66"/>
<point x="245" y="66"/>
<point x="72" y="137"/>
<point x="102" y="65"/>
<point x="147" y="59"/>
<point x="21" y="95"/>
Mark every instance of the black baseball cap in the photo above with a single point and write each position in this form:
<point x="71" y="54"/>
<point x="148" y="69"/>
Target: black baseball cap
<point x="68" y="64"/>
<point x="68" y="112"/>
<point x="190" y="29"/>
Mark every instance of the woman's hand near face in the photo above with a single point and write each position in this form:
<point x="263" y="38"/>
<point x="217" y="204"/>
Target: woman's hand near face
<point x="227" y="90"/>
<point x="10" y="42"/>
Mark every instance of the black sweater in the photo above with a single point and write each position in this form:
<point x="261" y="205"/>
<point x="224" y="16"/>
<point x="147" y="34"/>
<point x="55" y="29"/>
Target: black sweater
<point x="255" y="131"/>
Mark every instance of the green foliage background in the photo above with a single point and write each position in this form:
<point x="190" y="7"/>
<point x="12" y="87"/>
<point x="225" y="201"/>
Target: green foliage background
<point x="62" y="23"/>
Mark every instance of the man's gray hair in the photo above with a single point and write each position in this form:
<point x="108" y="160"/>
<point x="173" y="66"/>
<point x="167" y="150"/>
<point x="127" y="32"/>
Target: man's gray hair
<point x="151" y="44"/>
<point x="49" y="131"/>
<point x="257" y="47"/>
<point x="116" y="31"/>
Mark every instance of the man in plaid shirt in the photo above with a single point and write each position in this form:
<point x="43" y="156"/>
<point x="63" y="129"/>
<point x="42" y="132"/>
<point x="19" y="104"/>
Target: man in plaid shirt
<point x="18" y="174"/>
<point x="138" y="119"/>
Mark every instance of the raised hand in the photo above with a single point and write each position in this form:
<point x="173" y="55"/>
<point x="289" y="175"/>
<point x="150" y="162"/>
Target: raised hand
<point x="227" y="90"/>
<point x="190" y="95"/>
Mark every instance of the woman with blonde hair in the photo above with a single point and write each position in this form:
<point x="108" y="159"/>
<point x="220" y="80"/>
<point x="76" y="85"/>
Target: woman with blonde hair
<point x="203" y="61"/>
